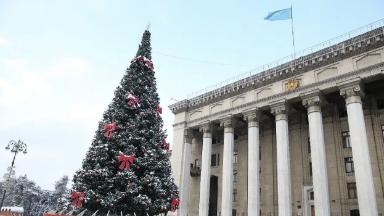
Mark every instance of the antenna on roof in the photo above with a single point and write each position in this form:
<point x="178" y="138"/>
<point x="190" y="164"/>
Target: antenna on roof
<point x="149" y="25"/>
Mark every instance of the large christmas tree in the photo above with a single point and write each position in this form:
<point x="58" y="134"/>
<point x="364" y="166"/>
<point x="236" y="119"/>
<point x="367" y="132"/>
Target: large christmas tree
<point x="127" y="168"/>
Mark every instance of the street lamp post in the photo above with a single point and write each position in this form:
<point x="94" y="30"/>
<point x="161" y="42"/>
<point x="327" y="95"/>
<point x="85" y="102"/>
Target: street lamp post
<point x="14" y="147"/>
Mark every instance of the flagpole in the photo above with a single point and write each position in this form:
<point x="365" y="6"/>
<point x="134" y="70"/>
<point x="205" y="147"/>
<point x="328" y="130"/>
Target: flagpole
<point x="293" y="36"/>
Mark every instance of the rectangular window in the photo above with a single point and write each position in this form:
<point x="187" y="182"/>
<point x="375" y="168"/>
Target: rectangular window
<point x="213" y="160"/>
<point x="343" y="112"/>
<point x="234" y="212"/>
<point x="234" y="195"/>
<point x="218" y="159"/>
<point x="235" y="157"/>
<point x="234" y="175"/>
<point x="196" y="163"/>
<point x="349" y="167"/>
<point x="260" y="193"/>
<point x="352" y="190"/>
<point x="355" y="212"/>
<point x="235" y="136"/>
<point x="260" y="174"/>
<point x="310" y="168"/>
<point x="260" y="152"/>
<point x="309" y="145"/>
<point x="346" y="139"/>
<point x="311" y="195"/>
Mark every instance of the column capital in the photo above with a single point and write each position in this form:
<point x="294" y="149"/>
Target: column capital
<point x="352" y="91"/>
<point x="313" y="101"/>
<point x="228" y="123"/>
<point x="280" y="109"/>
<point x="188" y="135"/>
<point x="206" y="128"/>
<point x="253" y="117"/>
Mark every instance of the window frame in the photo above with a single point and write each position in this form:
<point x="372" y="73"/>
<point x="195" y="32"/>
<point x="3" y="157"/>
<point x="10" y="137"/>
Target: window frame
<point x="349" y="160"/>
<point x="235" y="156"/>
<point x="352" y="190"/>
<point x="234" y="195"/>
<point x="213" y="160"/>
<point x="235" y="175"/>
<point x="346" y="139"/>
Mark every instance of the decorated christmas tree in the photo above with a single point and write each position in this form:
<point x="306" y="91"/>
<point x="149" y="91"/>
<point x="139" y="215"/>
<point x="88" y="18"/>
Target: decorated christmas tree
<point x="127" y="168"/>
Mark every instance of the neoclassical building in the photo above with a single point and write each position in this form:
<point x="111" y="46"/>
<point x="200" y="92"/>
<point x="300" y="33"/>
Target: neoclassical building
<point x="304" y="137"/>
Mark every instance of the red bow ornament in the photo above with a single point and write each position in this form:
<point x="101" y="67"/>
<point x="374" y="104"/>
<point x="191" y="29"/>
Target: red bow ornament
<point x="175" y="202"/>
<point x="132" y="100"/>
<point x="78" y="198"/>
<point x="159" y="109"/>
<point x="166" y="145"/>
<point x="147" y="62"/>
<point x="109" y="128"/>
<point x="125" y="161"/>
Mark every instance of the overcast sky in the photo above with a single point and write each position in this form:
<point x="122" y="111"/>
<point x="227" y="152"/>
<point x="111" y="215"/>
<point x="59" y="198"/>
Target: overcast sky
<point x="61" y="60"/>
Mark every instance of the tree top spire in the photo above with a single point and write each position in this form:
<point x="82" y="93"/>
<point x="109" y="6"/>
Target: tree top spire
<point x="145" y="46"/>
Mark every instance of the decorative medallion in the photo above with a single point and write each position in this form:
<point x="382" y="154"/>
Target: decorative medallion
<point x="292" y="84"/>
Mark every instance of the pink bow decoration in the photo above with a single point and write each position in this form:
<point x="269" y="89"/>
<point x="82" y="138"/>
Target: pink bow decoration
<point x="125" y="161"/>
<point x="147" y="62"/>
<point x="78" y="198"/>
<point x="166" y="145"/>
<point x="175" y="202"/>
<point x="132" y="100"/>
<point x="109" y="128"/>
<point x="159" y="109"/>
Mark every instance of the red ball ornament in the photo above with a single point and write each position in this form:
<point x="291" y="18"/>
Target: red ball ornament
<point x="133" y="126"/>
<point x="163" y="194"/>
<point x="113" y="162"/>
<point x="97" y="201"/>
<point x="161" y="209"/>
<point x="128" y="182"/>
<point x="142" y="151"/>
<point x="118" y="174"/>
<point x="106" y="179"/>
<point x="122" y="196"/>
<point x="138" y="167"/>
<point x="100" y="173"/>
<point x="146" y="206"/>
<point x="151" y="155"/>
<point x="90" y="174"/>
<point x="147" y="181"/>
<point x="90" y="155"/>
<point x="159" y="167"/>
<point x="142" y="132"/>
<point x="111" y="205"/>
<point x="131" y="108"/>
<point x="155" y="145"/>
<point x="106" y="154"/>
<point x="141" y="114"/>
<point x="81" y="181"/>
<point x="82" y="173"/>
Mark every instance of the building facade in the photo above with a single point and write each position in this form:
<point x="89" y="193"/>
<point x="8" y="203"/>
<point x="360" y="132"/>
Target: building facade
<point x="302" y="138"/>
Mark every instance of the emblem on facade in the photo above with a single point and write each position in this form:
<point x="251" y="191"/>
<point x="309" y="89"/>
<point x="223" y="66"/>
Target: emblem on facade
<point x="292" y="84"/>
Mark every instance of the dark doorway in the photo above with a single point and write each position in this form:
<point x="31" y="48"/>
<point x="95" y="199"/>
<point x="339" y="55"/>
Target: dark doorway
<point x="213" y="193"/>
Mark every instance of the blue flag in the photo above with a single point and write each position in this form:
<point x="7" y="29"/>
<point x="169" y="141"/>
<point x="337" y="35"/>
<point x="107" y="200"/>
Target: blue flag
<point x="279" y="15"/>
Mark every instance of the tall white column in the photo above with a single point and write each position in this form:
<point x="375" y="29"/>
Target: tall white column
<point x="312" y="102"/>
<point x="184" y="196"/>
<point x="352" y="93"/>
<point x="227" y="185"/>
<point x="253" y="118"/>
<point x="280" y="110"/>
<point x="206" y="129"/>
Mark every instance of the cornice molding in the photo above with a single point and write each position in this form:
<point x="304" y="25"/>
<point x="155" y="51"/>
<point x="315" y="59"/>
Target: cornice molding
<point x="318" y="61"/>
<point x="287" y="93"/>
